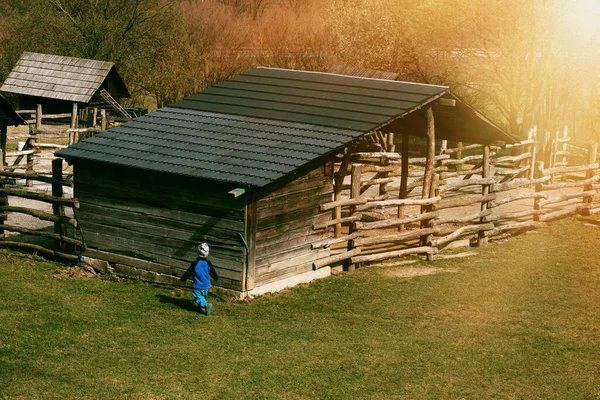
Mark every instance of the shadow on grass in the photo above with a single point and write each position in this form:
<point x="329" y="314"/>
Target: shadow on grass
<point x="188" y="305"/>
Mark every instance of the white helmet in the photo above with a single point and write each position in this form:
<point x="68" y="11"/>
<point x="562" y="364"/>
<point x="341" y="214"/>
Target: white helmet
<point x="203" y="250"/>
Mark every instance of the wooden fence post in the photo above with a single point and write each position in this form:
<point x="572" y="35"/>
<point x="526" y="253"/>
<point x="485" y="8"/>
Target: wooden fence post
<point x="337" y="191"/>
<point x="481" y="236"/>
<point x="459" y="145"/>
<point x="103" y="119"/>
<point x="94" y="117"/>
<point x="534" y="151"/>
<point x="3" y="137"/>
<point x="57" y="191"/>
<point x="73" y="124"/>
<point x="564" y="145"/>
<point x="403" y="178"/>
<point x="428" y="223"/>
<point x="593" y="151"/>
<point x="356" y="175"/>
<point x="539" y="172"/>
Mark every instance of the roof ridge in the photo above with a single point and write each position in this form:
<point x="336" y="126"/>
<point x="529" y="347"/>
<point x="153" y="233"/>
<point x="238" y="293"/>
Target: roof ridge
<point x="354" y="77"/>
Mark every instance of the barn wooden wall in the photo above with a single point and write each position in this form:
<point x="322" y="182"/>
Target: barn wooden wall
<point x="151" y="223"/>
<point x="284" y="234"/>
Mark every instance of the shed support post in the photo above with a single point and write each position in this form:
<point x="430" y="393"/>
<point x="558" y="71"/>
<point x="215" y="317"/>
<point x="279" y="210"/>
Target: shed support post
<point x="403" y="178"/>
<point x="430" y="161"/>
<point x="57" y="191"/>
<point x="428" y="178"/>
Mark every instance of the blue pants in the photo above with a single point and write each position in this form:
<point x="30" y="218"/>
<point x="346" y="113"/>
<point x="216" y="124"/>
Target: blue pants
<point x="200" y="296"/>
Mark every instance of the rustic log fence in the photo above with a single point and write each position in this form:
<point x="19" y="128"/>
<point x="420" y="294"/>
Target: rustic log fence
<point x="474" y="194"/>
<point x="43" y="140"/>
<point x="64" y="243"/>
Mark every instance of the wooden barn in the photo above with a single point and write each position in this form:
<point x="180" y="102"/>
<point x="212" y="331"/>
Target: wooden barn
<point x="245" y="166"/>
<point x="57" y="82"/>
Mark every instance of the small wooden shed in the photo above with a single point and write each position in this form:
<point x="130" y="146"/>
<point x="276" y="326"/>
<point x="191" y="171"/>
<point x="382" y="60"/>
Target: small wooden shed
<point x="58" y="81"/>
<point x="243" y="165"/>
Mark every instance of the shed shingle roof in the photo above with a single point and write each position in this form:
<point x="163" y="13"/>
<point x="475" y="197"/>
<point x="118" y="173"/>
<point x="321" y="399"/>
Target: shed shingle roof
<point x="57" y="77"/>
<point x="257" y="127"/>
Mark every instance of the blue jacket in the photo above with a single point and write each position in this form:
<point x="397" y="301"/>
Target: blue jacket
<point x="201" y="270"/>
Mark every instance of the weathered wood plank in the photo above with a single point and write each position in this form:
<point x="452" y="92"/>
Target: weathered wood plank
<point x="396" y="237"/>
<point x="464" y="200"/>
<point x="467" y="182"/>
<point x="465" y="230"/>
<point x="393" y="254"/>
<point x="395" y="221"/>
<point x="564" y="185"/>
<point x="158" y="215"/>
<point x="326" y="224"/>
<point x="458" y="219"/>
<point x="563" y="213"/>
<point x="35" y="177"/>
<point x="565" y="197"/>
<point x="40" y="214"/>
<point x="37" y="248"/>
<point x="40" y="197"/>
<point x="403" y="202"/>
<point x="332" y="241"/>
<point x="341" y="203"/>
<point x="564" y="170"/>
<point x="33" y="232"/>
<point x="519" y="196"/>
<point x="322" y="262"/>
<point x="514" y="226"/>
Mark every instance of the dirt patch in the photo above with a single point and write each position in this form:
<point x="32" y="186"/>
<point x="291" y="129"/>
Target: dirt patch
<point x="412" y="272"/>
<point x="75" y="273"/>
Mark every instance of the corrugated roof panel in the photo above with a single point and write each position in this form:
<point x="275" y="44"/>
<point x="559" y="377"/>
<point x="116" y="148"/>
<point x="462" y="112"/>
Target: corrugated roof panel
<point x="257" y="127"/>
<point x="348" y="81"/>
<point x="334" y="102"/>
<point x="283" y="116"/>
<point x="283" y="138"/>
<point x="290" y="108"/>
<point x="344" y="96"/>
<point x="326" y="88"/>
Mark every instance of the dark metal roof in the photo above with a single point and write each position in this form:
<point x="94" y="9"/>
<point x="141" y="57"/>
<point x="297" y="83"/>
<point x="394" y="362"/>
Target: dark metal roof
<point x="331" y="100"/>
<point x="59" y="77"/>
<point x="257" y="127"/>
<point x="242" y="150"/>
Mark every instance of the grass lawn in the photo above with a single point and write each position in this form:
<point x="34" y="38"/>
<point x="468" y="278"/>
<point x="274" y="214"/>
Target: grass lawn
<point x="519" y="321"/>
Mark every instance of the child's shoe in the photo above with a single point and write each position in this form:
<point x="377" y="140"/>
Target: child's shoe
<point x="208" y="308"/>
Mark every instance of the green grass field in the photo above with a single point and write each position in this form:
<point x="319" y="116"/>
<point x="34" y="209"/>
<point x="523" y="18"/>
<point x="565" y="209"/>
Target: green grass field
<point x="519" y="321"/>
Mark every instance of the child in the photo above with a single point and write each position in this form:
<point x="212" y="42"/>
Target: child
<point x="201" y="270"/>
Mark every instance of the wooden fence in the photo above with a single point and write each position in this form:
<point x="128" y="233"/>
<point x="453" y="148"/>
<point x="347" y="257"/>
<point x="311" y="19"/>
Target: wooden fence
<point x="60" y="240"/>
<point x="476" y="194"/>
<point x="46" y="135"/>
